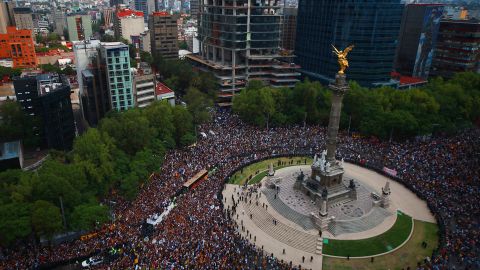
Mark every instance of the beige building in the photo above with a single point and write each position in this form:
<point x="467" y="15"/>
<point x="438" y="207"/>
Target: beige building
<point x="23" y="18"/>
<point x="144" y="84"/>
<point x="128" y="23"/>
<point x="163" y="34"/>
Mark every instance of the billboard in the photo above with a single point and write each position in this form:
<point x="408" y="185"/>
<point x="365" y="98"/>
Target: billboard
<point x="428" y="40"/>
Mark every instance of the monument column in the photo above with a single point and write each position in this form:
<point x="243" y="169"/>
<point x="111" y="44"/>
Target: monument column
<point x="339" y="88"/>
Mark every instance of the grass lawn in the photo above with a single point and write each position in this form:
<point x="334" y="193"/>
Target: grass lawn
<point x="374" y="245"/>
<point x="406" y="256"/>
<point x="261" y="167"/>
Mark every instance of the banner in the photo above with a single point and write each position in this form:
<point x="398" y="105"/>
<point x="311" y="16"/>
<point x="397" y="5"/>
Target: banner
<point x="391" y="172"/>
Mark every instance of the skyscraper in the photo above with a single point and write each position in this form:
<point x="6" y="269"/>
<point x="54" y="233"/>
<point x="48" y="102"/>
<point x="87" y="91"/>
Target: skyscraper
<point x="79" y="27"/>
<point x="418" y="38"/>
<point x="23" y="17"/>
<point x="458" y="48"/>
<point x="48" y="97"/>
<point x="240" y="41"/>
<point x="289" y="28"/>
<point x="145" y="6"/>
<point x="163" y="35"/>
<point x="372" y="26"/>
<point x="115" y="59"/>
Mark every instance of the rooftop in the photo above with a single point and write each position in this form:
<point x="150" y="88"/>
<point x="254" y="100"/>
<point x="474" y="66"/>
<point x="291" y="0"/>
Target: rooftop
<point x="162" y="89"/>
<point x="49" y="82"/>
<point x="123" y="13"/>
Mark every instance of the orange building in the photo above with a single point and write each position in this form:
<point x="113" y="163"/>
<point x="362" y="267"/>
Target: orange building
<point x="18" y="45"/>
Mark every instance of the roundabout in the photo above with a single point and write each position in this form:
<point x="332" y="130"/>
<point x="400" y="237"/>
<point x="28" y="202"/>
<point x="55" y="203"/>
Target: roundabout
<point x="279" y="220"/>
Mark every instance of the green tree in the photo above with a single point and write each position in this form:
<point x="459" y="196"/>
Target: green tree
<point x="87" y="216"/>
<point x="93" y="153"/>
<point x="46" y="219"/>
<point x="198" y="104"/>
<point x="121" y="126"/>
<point x="16" y="125"/>
<point x="14" y="222"/>
<point x="183" y="123"/>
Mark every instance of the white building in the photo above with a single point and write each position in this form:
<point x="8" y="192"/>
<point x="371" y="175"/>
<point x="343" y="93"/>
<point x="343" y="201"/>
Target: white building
<point x="128" y="23"/>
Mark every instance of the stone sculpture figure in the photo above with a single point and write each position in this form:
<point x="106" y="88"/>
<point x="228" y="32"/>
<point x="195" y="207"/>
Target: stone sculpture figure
<point x="342" y="58"/>
<point x="327" y="167"/>
<point x="324" y="193"/>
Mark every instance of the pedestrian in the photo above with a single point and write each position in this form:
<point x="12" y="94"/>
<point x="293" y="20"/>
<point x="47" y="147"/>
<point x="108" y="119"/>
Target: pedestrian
<point x="303" y="259"/>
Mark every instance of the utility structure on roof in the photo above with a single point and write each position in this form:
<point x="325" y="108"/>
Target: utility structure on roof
<point x="240" y="41"/>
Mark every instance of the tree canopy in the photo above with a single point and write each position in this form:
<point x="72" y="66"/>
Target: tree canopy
<point x="382" y="112"/>
<point x="117" y="157"/>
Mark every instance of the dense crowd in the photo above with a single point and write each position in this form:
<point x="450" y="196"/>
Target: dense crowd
<point x="197" y="234"/>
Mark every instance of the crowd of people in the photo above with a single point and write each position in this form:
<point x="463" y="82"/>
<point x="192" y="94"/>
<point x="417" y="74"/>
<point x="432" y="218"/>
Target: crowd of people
<point x="196" y="233"/>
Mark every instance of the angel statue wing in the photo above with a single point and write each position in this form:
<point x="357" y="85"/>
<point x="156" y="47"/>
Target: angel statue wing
<point x="336" y="51"/>
<point x="348" y="49"/>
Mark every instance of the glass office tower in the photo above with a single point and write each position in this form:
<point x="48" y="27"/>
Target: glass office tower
<point x="371" y="25"/>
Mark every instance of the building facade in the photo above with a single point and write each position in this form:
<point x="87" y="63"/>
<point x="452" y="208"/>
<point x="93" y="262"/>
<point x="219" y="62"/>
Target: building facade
<point x="18" y="45"/>
<point x="418" y="38"/>
<point x="7" y="17"/>
<point x="163" y="35"/>
<point x="94" y="97"/>
<point x="115" y="58"/>
<point x="60" y="21"/>
<point x="458" y="48"/>
<point x="23" y="18"/>
<point x="242" y="43"/>
<point x="372" y="26"/>
<point x="194" y="7"/>
<point x="144" y="85"/>
<point x="79" y="27"/>
<point x="48" y="97"/>
<point x="289" y="28"/>
<point x="128" y="23"/>
<point x="145" y="6"/>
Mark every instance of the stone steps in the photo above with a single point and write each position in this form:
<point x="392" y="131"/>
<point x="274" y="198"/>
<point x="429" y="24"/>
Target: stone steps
<point x="303" y="221"/>
<point x="367" y="222"/>
<point x="281" y="232"/>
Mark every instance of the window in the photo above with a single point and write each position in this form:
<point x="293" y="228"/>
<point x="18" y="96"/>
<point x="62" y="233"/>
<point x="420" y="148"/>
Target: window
<point x="125" y="66"/>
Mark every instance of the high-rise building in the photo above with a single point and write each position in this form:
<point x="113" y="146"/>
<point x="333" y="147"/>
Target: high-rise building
<point x="240" y="41"/>
<point x="458" y="48"/>
<point x="128" y="23"/>
<point x="94" y="97"/>
<point x="418" y="38"/>
<point x="23" y="18"/>
<point x="3" y="17"/>
<point x="194" y="4"/>
<point x="163" y="35"/>
<point x="79" y="27"/>
<point x="18" y="45"/>
<point x="7" y="17"/>
<point x="48" y="97"/>
<point x="372" y="26"/>
<point x="145" y="6"/>
<point x="60" y="21"/>
<point x="115" y="58"/>
<point x="289" y="28"/>
<point x="144" y="84"/>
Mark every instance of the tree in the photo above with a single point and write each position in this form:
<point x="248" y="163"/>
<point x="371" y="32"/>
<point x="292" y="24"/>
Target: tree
<point x="93" y="153"/>
<point x="14" y="222"/>
<point x="183" y="123"/>
<point x="9" y="72"/>
<point x="160" y="117"/>
<point x="121" y="126"/>
<point x="46" y="219"/>
<point x="198" y="104"/>
<point x="16" y="125"/>
<point x="87" y="216"/>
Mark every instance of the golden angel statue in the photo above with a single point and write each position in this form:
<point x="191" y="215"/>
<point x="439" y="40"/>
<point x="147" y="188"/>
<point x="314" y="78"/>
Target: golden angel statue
<point x="342" y="58"/>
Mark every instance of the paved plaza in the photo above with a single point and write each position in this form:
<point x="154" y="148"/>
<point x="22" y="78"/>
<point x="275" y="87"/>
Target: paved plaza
<point x="279" y="222"/>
